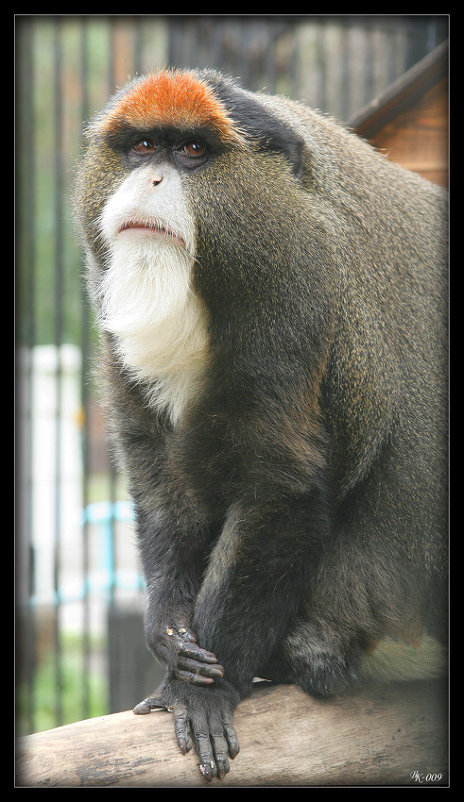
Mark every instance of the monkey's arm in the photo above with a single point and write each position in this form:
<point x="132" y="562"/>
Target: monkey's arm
<point x="173" y="569"/>
<point x="202" y="715"/>
<point x="171" y="547"/>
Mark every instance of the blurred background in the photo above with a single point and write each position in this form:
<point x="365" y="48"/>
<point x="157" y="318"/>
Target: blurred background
<point x="79" y="592"/>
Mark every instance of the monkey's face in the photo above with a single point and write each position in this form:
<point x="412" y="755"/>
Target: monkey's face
<point x="184" y="199"/>
<point x="175" y="151"/>
<point x="152" y="138"/>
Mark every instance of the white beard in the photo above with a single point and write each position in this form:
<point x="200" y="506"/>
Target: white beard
<point x="147" y="303"/>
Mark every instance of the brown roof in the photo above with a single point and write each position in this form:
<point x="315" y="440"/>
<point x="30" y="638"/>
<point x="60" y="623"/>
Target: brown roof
<point x="403" y="93"/>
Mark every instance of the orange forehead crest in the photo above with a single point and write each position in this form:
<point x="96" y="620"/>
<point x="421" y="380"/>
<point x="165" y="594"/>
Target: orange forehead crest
<point x="179" y="99"/>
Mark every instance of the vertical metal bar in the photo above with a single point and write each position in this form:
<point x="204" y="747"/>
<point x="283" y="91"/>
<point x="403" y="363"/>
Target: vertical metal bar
<point x="369" y="63"/>
<point x="321" y="61"/>
<point x="270" y="56"/>
<point x="112" y="549"/>
<point x="174" y="24"/>
<point x="293" y="56"/>
<point x="216" y="42"/>
<point x="416" y="41"/>
<point x="243" y="54"/>
<point x="431" y="34"/>
<point x="58" y="336"/>
<point x="112" y="471"/>
<point x="86" y="412"/>
<point x="345" y="109"/>
<point x="28" y="634"/>
<point x="138" y="39"/>
<point x="392" y="53"/>
<point x="111" y="66"/>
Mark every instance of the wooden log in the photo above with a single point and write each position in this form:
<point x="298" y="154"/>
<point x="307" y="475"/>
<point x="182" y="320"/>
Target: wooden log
<point x="389" y="735"/>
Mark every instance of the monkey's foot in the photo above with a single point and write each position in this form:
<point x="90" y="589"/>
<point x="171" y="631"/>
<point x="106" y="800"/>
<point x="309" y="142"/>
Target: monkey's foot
<point x="320" y="664"/>
<point x="328" y="680"/>
<point x="203" y="717"/>
<point x="328" y="674"/>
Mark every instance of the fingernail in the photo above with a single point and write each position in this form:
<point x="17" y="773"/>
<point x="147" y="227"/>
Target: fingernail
<point x="207" y="770"/>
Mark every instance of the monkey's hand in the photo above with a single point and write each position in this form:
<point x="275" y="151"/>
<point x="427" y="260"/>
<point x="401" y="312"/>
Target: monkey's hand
<point x="177" y="646"/>
<point x="202" y="717"/>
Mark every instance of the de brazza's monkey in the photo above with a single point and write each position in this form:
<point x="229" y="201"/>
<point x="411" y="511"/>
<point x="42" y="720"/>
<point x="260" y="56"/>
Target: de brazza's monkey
<point x="271" y="294"/>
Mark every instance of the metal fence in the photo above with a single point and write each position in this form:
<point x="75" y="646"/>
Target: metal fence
<point x="79" y="592"/>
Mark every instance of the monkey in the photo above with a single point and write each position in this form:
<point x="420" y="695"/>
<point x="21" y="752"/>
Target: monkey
<point x="271" y="297"/>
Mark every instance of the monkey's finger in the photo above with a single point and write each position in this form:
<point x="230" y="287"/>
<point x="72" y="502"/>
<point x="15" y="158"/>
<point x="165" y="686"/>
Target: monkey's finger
<point x="197" y="653"/>
<point x="189" y="676"/>
<point x="149" y="704"/>
<point x="231" y="737"/>
<point x="203" y="745"/>
<point x="213" y="670"/>
<point x="182" y="728"/>
<point x="219" y="744"/>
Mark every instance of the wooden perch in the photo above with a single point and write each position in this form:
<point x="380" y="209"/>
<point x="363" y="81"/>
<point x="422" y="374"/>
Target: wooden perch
<point x="373" y="736"/>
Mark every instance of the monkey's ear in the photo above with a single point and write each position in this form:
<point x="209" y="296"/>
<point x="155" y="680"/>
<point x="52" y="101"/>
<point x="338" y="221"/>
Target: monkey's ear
<point x="263" y="127"/>
<point x="272" y="134"/>
<point x="292" y="146"/>
<point x="298" y="157"/>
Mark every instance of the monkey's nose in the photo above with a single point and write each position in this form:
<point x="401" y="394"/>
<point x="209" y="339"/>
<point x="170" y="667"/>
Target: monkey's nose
<point x="157" y="181"/>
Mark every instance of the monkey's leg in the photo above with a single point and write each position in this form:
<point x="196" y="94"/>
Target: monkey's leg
<point x="320" y="660"/>
<point x="257" y="579"/>
<point x="364" y="591"/>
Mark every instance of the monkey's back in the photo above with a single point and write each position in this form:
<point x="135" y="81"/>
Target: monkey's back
<point x="385" y="391"/>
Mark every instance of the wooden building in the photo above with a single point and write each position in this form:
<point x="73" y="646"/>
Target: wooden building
<point x="410" y="119"/>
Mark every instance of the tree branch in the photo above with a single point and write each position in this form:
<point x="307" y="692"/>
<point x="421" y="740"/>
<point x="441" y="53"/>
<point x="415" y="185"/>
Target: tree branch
<point x="373" y="736"/>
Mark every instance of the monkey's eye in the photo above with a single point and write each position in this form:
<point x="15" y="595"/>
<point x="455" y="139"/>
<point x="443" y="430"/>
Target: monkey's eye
<point x="144" y="146"/>
<point x="193" y="150"/>
<point x="190" y="154"/>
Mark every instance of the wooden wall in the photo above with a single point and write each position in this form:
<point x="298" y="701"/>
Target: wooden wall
<point x="418" y="137"/>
